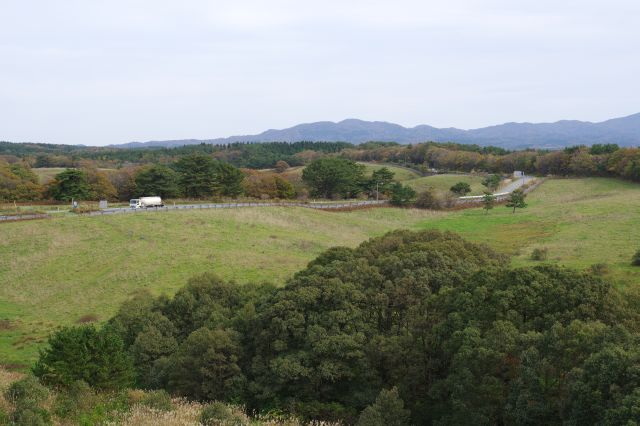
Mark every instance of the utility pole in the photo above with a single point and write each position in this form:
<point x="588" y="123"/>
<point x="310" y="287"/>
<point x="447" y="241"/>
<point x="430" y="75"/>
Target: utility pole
<point x="377" y="192"/>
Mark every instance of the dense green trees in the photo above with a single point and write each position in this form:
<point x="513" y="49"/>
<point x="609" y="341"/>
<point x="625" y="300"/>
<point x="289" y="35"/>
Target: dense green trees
<point x="85" y="353"/>
<point x="334" y="177"/>
<point x="380" y="181"/>
<point x="402" y="195"/>
<point x="387" y="410"/>
<point x="202" y="176"/>
<point x="158" y="181"/>
<point x="197" y="175"/>
<point x="205" y="366"/>
<point x="461" y="189"/>
<point x="194" y="176"/>
<point x="229" y="180"/>
<point x="70" y="184"/>
<point x="81" y="184"/>
<point x="445" y="324"/>
<point x="240" y="154"/>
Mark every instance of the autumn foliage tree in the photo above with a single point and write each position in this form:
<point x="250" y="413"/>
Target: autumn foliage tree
<point x="18" y="183"/>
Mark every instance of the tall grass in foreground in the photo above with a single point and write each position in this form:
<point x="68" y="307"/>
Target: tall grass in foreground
<point x="136" y="408"/>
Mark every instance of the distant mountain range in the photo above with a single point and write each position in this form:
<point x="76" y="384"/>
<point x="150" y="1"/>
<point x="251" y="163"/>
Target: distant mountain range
<point x="624" y="131"/>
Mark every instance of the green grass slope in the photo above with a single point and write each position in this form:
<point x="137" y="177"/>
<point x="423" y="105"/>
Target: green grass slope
<point x="53" y="272"/>
<point x="442" y="183"/>
<point x="401" y="174"/>
<point x="580" y="221"/>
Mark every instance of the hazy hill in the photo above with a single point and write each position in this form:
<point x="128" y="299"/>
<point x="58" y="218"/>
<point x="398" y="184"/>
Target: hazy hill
<point x="624" y="131"/>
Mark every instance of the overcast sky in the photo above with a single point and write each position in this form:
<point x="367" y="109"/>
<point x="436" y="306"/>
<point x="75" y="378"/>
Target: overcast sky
<point x="102" y="72"/>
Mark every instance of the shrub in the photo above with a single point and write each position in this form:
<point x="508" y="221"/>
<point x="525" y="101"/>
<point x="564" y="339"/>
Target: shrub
<point x="401" y="195"/>
<point x="84" y="209"/>
<point x="79" y="397"/>
<point x="635" y="261"/>
<point x="388" y="410"/>
<point x="85" y="353"/>
<point x="281" y="166"/>
<point x="461" y="188"/>
<point x="599" y="269"/>
<point x="428" y="200"/>
<point x="85" y="319"/>
<point x="31" y="416"/>
<point x="283" y="188"/>
<point x="539" y="254"/>
<point x="158" y="400"/>
<point x="27" y="395"/>
<point x="218" y="413"/>
<point x="28" y="390"/>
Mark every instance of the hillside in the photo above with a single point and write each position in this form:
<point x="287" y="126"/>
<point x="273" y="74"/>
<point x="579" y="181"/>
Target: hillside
<point x="624" y="131"/>
<point x="62" y="271"/>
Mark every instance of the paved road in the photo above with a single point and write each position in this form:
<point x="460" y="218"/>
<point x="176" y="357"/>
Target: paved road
<point x="501" y="193"/>
<point x="517" y="183"/>
<point x="124" y="210"/>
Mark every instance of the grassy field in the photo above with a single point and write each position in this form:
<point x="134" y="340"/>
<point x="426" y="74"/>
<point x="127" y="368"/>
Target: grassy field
<point x="442" y="183"/>
<point x="580" y="221"/>
<point x="46" y="174"/>
<point x="55" y="271"/>
<point x="400" y="173"/>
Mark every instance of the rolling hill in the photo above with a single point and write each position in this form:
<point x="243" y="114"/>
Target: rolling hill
<point x="624" y="131"/>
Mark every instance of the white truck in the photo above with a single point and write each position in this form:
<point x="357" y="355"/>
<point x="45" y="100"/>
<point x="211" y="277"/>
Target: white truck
<point x="145" y="202"/>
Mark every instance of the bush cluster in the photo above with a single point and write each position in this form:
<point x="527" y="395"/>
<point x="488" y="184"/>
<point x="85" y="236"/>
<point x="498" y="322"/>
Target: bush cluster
<point x="540" y="254"/>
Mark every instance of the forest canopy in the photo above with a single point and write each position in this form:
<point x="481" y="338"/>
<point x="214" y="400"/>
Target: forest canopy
<point x="421" y="320"/>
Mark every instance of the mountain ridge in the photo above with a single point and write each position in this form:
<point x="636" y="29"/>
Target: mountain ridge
<point x="624" y="131"/>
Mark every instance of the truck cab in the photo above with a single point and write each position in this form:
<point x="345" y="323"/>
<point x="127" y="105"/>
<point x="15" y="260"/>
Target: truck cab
<point x="134" y="204"/>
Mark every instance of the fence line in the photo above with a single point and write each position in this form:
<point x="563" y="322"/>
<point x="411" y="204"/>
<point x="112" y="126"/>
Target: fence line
<point x="320" y="206"/>
<point x="17" y="217"/>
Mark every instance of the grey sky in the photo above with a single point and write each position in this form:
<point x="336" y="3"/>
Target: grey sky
<point x="100" y="72"/>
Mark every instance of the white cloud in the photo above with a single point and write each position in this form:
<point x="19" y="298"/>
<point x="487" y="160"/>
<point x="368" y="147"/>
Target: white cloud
<point x="124" y="70"/>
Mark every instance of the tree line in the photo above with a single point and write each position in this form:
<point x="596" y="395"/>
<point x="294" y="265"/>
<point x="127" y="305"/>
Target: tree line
<point x="598" y="160"/>
<point x="239" y="154"/>
<point x="202" y="176"/>
<point x="414" y="327"/>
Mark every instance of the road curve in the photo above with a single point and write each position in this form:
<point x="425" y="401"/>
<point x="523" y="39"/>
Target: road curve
<point x="502" y="193"/>
<point x="517" y="183"/>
